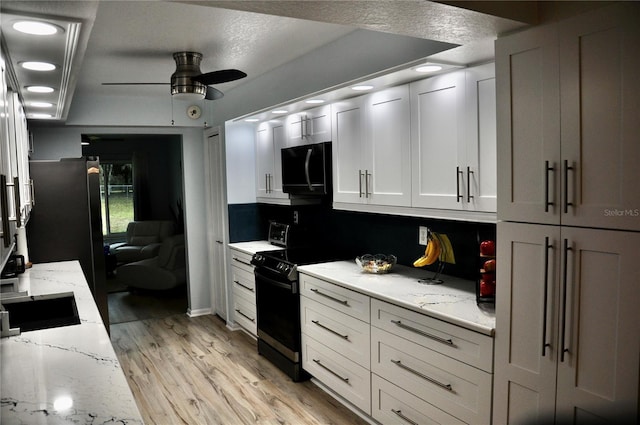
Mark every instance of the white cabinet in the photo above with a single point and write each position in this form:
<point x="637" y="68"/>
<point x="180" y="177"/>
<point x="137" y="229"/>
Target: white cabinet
<point x="270" y="139"/>
<point x="7" y="174"/>
<point x="244" y="291"/>
<point x="372" y="150"/>
<point x="310" y="126"/>
<point x="453" y="136"/>
<point x="567" y="126"/>
<point x="567" y="324"/>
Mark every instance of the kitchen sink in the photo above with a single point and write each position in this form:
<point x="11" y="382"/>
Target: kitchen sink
<point x="30" y="313"/>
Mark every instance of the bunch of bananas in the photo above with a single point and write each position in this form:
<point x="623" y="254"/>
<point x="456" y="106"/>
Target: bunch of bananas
<point x="431" y="253"/>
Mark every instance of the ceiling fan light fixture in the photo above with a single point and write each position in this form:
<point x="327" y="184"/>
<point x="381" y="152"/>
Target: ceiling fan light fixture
<point x="182" y="86"/>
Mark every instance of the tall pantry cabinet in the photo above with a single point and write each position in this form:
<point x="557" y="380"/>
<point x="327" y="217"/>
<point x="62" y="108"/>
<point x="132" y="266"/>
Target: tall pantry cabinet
<point x="567" y="317"/>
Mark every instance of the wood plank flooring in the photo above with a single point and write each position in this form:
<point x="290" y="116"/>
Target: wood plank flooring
<point x="195" y="371"/>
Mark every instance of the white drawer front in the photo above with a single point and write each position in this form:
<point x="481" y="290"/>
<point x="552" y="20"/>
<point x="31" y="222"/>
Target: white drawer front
<point x="462" y="344"/>
<point x="244" y="283"/>
<point x="342" y="299"/>
<point x="244" y="314"/>
<point x="392" y="405"/>
<point x="346" y="378"/>
<point x="342" y="333"/>
<point x="241" y="260"/>
<point x="457" y="388"/>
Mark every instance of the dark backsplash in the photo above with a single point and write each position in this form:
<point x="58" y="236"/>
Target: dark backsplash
<point x="354" y="233"/>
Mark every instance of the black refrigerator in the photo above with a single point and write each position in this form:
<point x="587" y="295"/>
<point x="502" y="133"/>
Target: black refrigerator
<point x="66" y="223"/>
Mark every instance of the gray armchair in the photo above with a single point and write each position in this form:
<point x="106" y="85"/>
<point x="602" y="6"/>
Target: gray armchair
<point x="165" y="271"/>
<point x="142" y="241"/>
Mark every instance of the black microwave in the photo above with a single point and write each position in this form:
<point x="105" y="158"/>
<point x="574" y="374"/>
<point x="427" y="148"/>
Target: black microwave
<point x="306" y="169"/>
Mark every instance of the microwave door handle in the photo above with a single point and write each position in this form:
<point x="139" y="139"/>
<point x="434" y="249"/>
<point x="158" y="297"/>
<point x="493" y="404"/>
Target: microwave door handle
<point x="306" y="168"/>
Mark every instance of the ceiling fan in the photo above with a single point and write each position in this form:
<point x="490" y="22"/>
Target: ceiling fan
<point x="188" y="82"/>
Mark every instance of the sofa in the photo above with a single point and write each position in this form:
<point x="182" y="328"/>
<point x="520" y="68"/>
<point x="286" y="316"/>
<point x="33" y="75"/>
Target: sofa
<point x="143" y="240"/>
<point x="167" y="270"/>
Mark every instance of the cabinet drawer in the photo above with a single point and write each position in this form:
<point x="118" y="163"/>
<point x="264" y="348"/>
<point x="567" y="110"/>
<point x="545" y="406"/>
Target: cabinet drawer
<point x="244" y="283"/>
<point x="390" y="404"/>
<point x="342" y="299"/>
<point x="453" y="386"/>
<point x="241" y="260"/>
<point x="346" y="378"/>
<point x="244" y="314"/>
<point x="342" y="333"/>
<point x="462" y="344"/>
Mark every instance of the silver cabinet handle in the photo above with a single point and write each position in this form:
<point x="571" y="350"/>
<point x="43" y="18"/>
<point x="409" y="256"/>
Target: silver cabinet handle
<point x="398" y="363"/>
<point x="242" y="262"/>
<point x="567" y="204"/>
<point x="344" y="302"/>
<point x="16" y="197"/>
<point x="360" y="183"/>
<point x="423" y="333"/>
<point x="545" y="344"/>
<point x="367" y="176"/>
<point x="4" y="205"/>
<point x="319" y="363"/>
<point x="219" y="242"/>
<point x="244" y="286"/>
<point x="326" y="328"/>
<point x="469" y="195"/>
<point x="245" y="316"/>
<point x="458" y="194"/>
<point x="564" y="348"/>
<point x="33" y="193"/>
<point x="547" y="169"/>
<point x="403" y="417"/>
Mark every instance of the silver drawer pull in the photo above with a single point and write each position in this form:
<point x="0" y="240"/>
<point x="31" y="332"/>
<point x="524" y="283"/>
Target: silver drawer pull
<point x="244" y="286"/>
<point x="242" y="262"/>
<point x="423" y="333"/>
<point x="402" y="416"/>
<point x="330" y="297"/>
<point x="330" y="371"/>
<point x="422" y="375"/>
<point x="245" y="316"/>
<point x="330" y="330"/>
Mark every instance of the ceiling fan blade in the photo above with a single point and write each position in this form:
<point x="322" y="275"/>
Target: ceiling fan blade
<point x="135" y="84"/>
<point x="221" y="76"/>
<point x="213" y="94"/>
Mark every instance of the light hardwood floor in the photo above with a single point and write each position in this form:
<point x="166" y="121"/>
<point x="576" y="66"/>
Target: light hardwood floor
<point x="195" y="371"/>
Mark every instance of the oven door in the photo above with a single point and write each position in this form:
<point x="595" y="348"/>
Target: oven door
<point x="278" y="308"/>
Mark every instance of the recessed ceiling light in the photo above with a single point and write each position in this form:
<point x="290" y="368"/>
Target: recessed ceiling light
<point x="279" y="111"/>
<point x="40" y="89"/>
<point x="38" y="66"/>
<point x="36" y="27"/>
<point x="314" y="101"/>
<point x="39" y="115"/>
<point x="41" y="104"/>
<point x="252" y="120"/>
<point x="428" y="68"/>
<point x="363" y="87"/>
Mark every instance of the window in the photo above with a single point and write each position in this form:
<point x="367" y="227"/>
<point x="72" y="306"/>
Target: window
<point x="116" y="195"/>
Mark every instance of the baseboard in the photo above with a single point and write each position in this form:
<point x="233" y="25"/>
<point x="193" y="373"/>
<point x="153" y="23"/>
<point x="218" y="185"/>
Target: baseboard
<point x="344" y="402"/>
<point x="198" y="312"/>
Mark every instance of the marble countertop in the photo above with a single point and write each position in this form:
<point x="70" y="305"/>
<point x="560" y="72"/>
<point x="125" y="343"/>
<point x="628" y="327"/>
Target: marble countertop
<point x="253" y="246"/>
<point x="453" y="301"/>
<point x="68" y="374"/>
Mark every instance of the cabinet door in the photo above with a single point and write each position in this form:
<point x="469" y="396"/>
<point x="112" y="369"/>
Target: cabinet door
<point x="264" y="159"/>
<point x="480" y="138"/>
<point x="279" y="142"/>
<point x="388" y="172"/>
<point x="295" y="129"/>
<point x="437" y="125"/>
<point x="528" y="126"/>
<point x="598" y="372"/>
<point x="318" y="124"/>
<point x="347" y="150"/>
<point x="600" y="93"/>
<point x="526" y="323"/>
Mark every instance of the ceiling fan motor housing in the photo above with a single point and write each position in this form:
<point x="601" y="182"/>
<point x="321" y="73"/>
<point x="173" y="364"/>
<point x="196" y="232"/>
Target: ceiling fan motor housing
<point x="187" y="66"/>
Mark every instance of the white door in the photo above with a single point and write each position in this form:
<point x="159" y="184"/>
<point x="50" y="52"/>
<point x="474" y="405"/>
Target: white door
<point x="217" y="218"/>
<point x="599" y="92"/>
<point x="388" y="173"/>
<point x="528" y="125"/>
<point x="437" y="127"/>
<point x="348" y="149"/>
<point x="526" y="323"/>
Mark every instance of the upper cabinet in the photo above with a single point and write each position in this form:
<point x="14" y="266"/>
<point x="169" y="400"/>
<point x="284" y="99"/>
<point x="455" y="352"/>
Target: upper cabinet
<point x="568" y="122"/>
<point x="311" y="126"/>
<point x="270" y="138"/>
<point x="372" y="151"/>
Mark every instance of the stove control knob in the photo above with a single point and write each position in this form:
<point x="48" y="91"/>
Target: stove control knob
<point x="257" y="259"/>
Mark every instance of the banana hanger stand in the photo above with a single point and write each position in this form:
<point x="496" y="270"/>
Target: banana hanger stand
<point x="445" y="255"/>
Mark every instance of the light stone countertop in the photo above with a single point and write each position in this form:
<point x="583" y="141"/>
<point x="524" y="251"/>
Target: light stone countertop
<point x="254" y="246"/>
<point x="453" y="301"/>
<point x="77" y="365"/>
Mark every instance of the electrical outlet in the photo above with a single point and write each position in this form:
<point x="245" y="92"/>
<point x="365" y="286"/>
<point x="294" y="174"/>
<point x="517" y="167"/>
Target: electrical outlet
<point x="423" y="235"/>
<point x="295" y="217"/>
